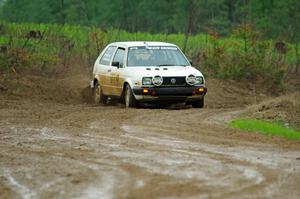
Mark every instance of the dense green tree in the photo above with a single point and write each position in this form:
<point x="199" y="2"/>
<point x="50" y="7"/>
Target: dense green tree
<point x="278" y="19"/>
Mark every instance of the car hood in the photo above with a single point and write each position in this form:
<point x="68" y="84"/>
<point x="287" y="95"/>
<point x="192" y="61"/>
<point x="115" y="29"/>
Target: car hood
<point x="165" y="71"/>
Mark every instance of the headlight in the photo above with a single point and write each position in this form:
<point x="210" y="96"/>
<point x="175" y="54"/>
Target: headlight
<point x="157" y="80"/>
<point x="199" y="80"/>
<point x="147" y="81"/>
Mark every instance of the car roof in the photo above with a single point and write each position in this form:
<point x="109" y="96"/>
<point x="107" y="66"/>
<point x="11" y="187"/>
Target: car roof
<point x="142" y="43"/>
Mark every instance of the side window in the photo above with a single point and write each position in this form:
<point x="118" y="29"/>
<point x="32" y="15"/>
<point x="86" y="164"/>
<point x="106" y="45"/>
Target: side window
<point x="107" y="56"/>
<point x="119" y="57"/>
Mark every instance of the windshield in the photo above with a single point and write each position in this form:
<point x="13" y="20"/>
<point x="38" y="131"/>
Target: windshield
<point x="156" y="56"/>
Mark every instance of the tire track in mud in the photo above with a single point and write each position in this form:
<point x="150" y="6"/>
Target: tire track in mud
<point x="122" y="158"/>
<point x="238" y="169"/>
<point x="105" y="178"/>
<point x="98" y="159"/>
<point x="23" y="191"/>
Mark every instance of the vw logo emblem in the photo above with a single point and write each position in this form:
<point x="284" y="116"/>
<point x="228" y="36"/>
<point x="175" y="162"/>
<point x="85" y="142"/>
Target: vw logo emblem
<point x="173" y="81"/>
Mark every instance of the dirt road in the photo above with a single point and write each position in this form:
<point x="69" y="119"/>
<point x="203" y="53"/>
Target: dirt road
<point x="58" y="150"/>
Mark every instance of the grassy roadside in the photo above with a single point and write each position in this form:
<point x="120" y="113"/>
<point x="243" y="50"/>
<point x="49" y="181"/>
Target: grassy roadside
<point x="266" y="128"/>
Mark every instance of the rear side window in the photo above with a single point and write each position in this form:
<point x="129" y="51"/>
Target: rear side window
<point x="119" y="57"/>
<point x="107" y="56"/>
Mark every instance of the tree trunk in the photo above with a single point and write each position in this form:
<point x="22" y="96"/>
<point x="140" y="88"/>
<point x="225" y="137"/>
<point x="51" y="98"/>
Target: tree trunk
<point x="297" y="58"/>
<point x="191" y="19"/>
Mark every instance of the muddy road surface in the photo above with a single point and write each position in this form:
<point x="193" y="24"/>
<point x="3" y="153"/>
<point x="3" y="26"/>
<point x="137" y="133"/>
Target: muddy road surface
<point x="58" y="150"/>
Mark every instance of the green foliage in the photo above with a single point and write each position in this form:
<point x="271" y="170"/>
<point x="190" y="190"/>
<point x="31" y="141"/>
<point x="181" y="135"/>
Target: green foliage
<point x="266" y="128"/>
<point x="243" y="55"/>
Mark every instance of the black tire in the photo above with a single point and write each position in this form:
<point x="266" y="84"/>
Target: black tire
<point x="98" y="96"/>
<point x="198" y="104"/>
<point x="130" y="101"/>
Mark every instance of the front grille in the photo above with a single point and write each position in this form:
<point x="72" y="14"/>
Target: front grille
<point x="174" y="81"/>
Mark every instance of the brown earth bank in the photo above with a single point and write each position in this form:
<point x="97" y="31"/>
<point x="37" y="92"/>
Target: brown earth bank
<point x="284" y="109"/>
<point x="56" y="145"/>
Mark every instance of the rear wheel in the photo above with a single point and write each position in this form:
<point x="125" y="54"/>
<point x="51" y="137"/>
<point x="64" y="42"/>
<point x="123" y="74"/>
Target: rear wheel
<point x="130" y="100"/>
<point x="98" y="96"/>
<point x="198" y="103"/>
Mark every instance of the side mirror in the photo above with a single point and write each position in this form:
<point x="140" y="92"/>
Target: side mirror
<point x="191" y="62"/>
<point x="116" y="64"/>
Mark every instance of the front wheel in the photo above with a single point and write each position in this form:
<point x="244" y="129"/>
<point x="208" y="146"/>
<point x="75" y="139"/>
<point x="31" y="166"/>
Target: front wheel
<point x="98" y="96"/>
<point x="130" y="100"/>
<point x="198" y="103"/>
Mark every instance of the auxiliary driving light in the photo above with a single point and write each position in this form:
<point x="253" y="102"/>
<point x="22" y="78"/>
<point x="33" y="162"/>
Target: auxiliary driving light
<point x="157" y="80"/>
<point x="191" y="80"/>
<point x="145" y="91"/>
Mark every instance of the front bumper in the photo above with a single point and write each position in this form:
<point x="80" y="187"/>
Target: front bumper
<point x="174" y="94"/>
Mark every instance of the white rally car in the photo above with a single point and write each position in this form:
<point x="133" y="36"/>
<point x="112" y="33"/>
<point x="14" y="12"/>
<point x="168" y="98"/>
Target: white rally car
<point x="146" y="72"/>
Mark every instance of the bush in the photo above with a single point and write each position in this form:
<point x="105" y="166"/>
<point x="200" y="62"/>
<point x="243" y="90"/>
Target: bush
<point x="245" y="55"/>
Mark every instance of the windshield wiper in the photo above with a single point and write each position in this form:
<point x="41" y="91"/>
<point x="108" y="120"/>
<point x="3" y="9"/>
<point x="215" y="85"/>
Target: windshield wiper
<point x="166" y="65"/>
<point x="169" y="65"/>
